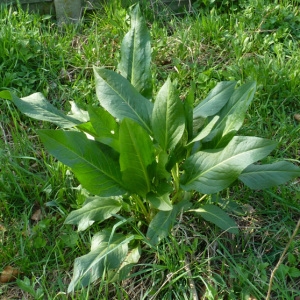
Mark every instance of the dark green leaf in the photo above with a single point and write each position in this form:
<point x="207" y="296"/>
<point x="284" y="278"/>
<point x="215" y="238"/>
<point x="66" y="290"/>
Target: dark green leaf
<point x="162" y="160"/>
<point x="178" y="153"/>
<point x="136" y="154"/>
<point x="217" y="216"/>
<point x="97" y="171"/>
<point x="188" y="108"/>
<point x="162" y="223"/>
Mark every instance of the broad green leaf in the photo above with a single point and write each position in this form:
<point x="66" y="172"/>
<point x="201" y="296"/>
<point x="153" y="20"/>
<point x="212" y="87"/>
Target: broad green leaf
<point x="136" y="55"/>
<point x="230" y="206"/>
<point x="98" y="209"/>
<point x="161" y="199"/>
<point x="294" y="272"/>
<point x="211" y="171"/>
<point x="106" y="253"/>
<point x="162" y="223"/>
<point x="206" y="130"/>
<point x="188" y="108"/>
<point x="136" y="154"/>
<point x="260" y="177"/>
<point x="122" y="272"/>
<point x="215" y="100"/>
<point x="36" y="106"/>
<point x="6" y="94"/>
<point x="121" y="99"/>
<point x="217" y="216"/>
<point x="78" y="113"/>
<point x="92" y="164"/>
<point x="178" y="153"/>
<point x="105" y="126"/>
<point x="231" y="116"/>
<point x="168" y="117"/>
<point x="88" y="129"/>
<point x="162" y="160"/>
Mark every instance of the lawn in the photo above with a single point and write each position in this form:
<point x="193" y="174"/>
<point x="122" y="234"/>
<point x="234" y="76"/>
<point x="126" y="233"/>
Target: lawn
<point x="228" y="40"/>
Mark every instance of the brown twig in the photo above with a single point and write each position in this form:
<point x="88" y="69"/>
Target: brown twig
<point x="191" y="281"/>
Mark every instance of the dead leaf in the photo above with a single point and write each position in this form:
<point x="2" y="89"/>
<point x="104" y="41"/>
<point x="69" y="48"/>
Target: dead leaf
<point x="297" y="117"/>
<point x="248" y="209"/>
<point x="9" y="274"/>
<point x="2" y="228"/>
<point x="37" y="215"/>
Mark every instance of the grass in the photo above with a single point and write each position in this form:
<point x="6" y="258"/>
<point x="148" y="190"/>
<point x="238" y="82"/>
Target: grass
<point x="252" y="40"/>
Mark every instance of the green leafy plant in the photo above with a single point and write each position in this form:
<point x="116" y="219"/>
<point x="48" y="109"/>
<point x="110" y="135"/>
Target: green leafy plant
<point x="146" y="158"/>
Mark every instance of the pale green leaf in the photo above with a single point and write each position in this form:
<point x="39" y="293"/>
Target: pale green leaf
<point x="211" y="171"/>
<point x="107" y="252"/>
<point x="121" y="99"/>
<point x="136" y="55"/>
<point x="92" y="163"/>
<point x="161" y="199"/>
<point x="215" y="100"/>
<point x="206" y="130"/>
<point x="36" y="106"/>
<point x="97" y="209"/>
<point x="106" y="129"/>
<point x="136" y="155"/>
<point x="260" y="177"/>
<point x="232" y="116"/>
<point x="78" y="113"/>
<point x="217" y="216"/>
<point x="123" y="270"/>
<point x="168" y="117"/>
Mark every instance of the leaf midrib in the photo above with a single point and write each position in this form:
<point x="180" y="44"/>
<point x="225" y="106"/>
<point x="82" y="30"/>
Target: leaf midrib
<point x="222" y="162"/>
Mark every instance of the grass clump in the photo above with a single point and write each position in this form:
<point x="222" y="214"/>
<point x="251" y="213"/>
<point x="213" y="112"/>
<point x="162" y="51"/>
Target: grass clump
<point x="202" y="49"/>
